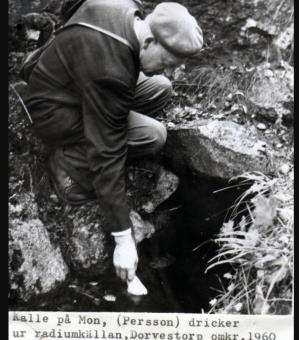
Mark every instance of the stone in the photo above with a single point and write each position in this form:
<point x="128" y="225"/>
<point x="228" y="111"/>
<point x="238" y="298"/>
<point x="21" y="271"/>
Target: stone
<point x="109" y="298"/>
<point x="285" y="38"/>
<point x="89" y="249"/>
<point x="142" y="228"/>
<point x="32" y="34"/>
<point x="261" y="126"/>
<point x="221" y="149"/>
<point x="54" y="198"/>
<point x="284" y="169"/>
<point x="19" y="8"/>
<point x="35" y="265"/>
<point x="273" y="92"/>
<point x="149" y="184"/>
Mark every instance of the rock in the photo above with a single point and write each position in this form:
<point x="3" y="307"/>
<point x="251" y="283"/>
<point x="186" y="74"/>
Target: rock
<point x="149" y="185"/>
<point x="264" y="23"/>
<point x="38" y="27"/>
<point x="285" y="38"/>
<point x="229" y="25"/>
<point x="170" y="124"/>
<point x="284" y="169"/>
<point x="263" y="27"/>
<point x="20" y="8"/>
<point x="89" y="250"/>
<point x="54" y="198"/>
<point x="14" y="65"/>
<point x="109" y="298"/>
<point x="142" y="228"/>
<point x="261" y="126"/>
<point x="272" y="92"/>
<point x="32" y="34"/>
<point x="220" y="149"/>
<point x="35" y="265"/>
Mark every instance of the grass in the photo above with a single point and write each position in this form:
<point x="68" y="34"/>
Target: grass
<point x="259" y="248"/>
<point x="215" y="84"/>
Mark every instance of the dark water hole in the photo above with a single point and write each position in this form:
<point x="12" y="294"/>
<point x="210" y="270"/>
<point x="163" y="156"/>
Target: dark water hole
<point x="171" y="265"/>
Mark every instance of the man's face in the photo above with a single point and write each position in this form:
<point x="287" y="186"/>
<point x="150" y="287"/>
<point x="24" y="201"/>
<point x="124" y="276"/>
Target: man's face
<point x="155" y="59"/>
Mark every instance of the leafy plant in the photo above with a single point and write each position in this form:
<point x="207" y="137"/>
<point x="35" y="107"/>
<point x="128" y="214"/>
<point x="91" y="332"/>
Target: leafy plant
<point x="259" y="247"/>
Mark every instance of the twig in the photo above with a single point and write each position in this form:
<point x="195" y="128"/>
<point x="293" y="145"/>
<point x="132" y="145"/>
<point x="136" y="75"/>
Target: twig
<point x="230" y="187"/>
<point x="201" y="244"/>
<point x="22" y="103"/>
<point x="94" y="299"/>
<point x="278" y="9"/>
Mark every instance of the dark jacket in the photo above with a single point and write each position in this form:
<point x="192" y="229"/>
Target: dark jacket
<point x="97" y="75"/>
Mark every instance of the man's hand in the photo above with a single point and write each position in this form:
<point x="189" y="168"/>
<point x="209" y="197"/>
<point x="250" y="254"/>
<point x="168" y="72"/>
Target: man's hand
<point x="125" y="258"/>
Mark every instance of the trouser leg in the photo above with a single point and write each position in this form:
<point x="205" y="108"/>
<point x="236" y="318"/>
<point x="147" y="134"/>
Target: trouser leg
<point x="152" y="94"/>
<point x="76" y="165"/>
<point x="146" y="135"/>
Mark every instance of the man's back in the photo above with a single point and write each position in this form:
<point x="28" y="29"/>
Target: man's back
<point x="79" y="55"/>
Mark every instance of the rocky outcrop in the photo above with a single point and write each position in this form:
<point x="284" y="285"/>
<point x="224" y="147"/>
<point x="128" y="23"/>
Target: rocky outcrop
<point x="220" y="149"/>
<point x="35" y="265"/>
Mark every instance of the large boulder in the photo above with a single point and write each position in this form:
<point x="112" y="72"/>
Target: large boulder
<point x="221" y="149"/>
<point x="86" y="246"/>
<point x="35" y="265"/>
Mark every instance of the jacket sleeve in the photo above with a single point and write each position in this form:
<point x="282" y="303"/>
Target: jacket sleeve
<point x="106" y="103"/>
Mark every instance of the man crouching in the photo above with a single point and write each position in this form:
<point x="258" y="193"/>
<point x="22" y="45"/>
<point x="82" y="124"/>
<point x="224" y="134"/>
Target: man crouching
<point x="93" y="95"/>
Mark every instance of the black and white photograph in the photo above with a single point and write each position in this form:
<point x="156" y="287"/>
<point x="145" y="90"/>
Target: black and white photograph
<point x="151" y="156"/>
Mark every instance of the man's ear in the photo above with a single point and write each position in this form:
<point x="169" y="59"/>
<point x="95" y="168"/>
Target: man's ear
<point x="147" y="41"/>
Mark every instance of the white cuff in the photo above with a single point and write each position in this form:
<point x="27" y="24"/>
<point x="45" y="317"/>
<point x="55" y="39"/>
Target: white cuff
<point x="122" y="233"/>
